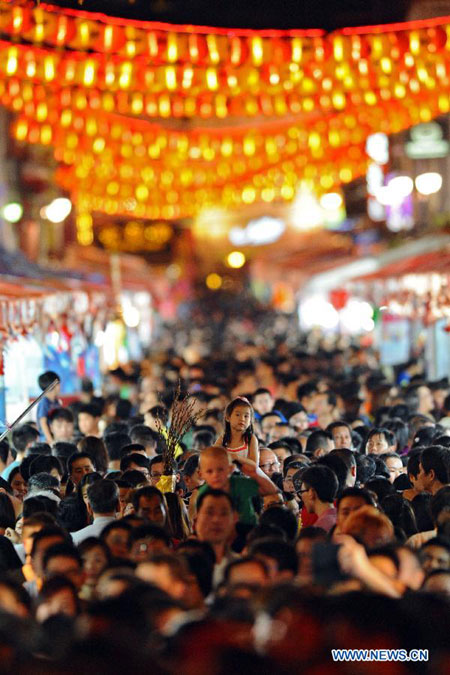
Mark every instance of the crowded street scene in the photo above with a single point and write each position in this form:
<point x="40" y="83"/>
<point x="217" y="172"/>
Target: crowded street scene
<point x="224" y="337"/>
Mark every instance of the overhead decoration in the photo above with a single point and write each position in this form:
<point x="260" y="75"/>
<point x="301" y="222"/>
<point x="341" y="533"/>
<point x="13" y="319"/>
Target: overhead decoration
<point x="156" y="121"/>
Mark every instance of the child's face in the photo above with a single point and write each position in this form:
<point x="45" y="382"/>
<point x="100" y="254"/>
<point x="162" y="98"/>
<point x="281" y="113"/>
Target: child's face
<point x="240" y="418"/>
<point x="54" y="393"/>
<point x="215" y="471"/>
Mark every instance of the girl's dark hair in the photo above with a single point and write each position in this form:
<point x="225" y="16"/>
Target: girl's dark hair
<point x="96" y="448"/>
<point x="93" y="542"/>
<point x="235" y="403"/>
<point x="7" y="514"/>
<point x="400" y="513"/>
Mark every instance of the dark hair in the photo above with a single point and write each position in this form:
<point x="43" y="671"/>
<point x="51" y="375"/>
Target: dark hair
<point x="191" y="465"/>
<point x="47" y="378"/>
<point x="260" y="391"/>
<point x="437" y="459"/>
<point x="63" y="549"/>
<point x="4" y="451"/>
<point x="381" y="486"/>
<point x="216" y="494"/>
<point x="323" y="480"/>
<point x="93" y="542"/>
<point x="78" y="455"/>
<point x="133" y="477"/>
<point x="150" y="531"/>
<point x="306" y="389"/>
<point x="95" y="447"/>
<point x="237" y="402"/>
<point x="32" y="505"/>
<point x="339" y="423"/>
<point x="424" y="436"/>
<point x="318" y="439"/>
<point x="72" y="514"/>
<point x="42" y="481"/>
<point x="134" y="458"/>
<point x="60" y="414"/>
<point x="39" y="449"/>
<point x="401" y="513"/>
<point x="9" y="560"/>
<point x="421" y="505"/>
<point x="90" y="409"/>
<point x="148" y="491"/>
<point x="45" y="533"/>
<point x="116" y="525"/>
<point x="202" y="568"/>
<point x="160" y="413"/>
<point x="7" y="513"/>
<point x="439" y="501"/>
<point x="365" y="468"/>
<point x="413" y="466"/>
<point x="356" y="492"/>
<point x="115" y="428"/>
<point x="283" y="518"/>
<point x="243" y="561"/>
<point x="103" y="496"/>
<point x="312" y="533"/>
<point x="381" y="431"/>
<point x="123" y="409"/>
<point x="336" y="464"/>
<point x="23" y="436"/>
<point x="45" y="464"/>
<point x="400" y="430"/>
<point x="140" y="433"/>
<point x="114" y="443"/>
<point x="279" y="550"/>
<point x="64" y="450"/>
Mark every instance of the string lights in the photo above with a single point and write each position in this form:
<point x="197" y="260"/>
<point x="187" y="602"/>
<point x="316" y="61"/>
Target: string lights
<point x="275" y="108"/>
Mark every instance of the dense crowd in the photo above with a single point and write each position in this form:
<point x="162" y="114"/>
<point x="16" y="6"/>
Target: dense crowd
<point x="308" y="509"/>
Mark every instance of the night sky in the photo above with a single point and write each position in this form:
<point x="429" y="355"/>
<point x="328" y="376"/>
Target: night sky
<point x="326" y="14"/>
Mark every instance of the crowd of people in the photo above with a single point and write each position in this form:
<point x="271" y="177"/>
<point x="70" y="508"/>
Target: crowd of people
<point x="308" y="509"/>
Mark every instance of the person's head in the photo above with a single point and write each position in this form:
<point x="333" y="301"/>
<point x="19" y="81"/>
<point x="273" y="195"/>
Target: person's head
<point x="319" y="486"/>
<point x="341" y="433"/>
<point x="33" y="524"/>
<point x="103" y="498"/>
<point x="267" y="423"/>
<point x="324" y="403"/>
<point x="380" y="441"/>
<point x="156" y="417"/>
<point x="147" y="437"/>
<point x="245" y="576"/>
<point x="114" y="443"/>
<point x="435" y="554"/>
<point x="282" y="518"/>
<point x="394" y="465"/>
<point x="306" y="395"/>
<point x="215" y="467"/>
<point x="43" y="539"/>
<point x="191" y="473"/>
<point x="262" y="401"/>
<point x="96" y="558"/>
<point x="14" y="599"/>
<point x="117" y="537"/>
<point x="419" y="399"/>
<point x="18" y="484"/>
<point x="58" y="597"/>
<point x="365" y="468"/>
<point x="268" y="462"/>
<point x="88" y="418"/>
<point x="281" y="449"/>
<point x="319" y="443"/>
<point x="83" y="486"/>
<point x="96" y="448"/>
<point x="279" y="556"/>
<point x="297" y="417"/>
<point x="23" y="437"/>
<point x="438" y="581"/>
<point x="149" y="503"/>
<point x="401" y="514"/>
<point x="413" y="469"/>
<point x="369" y="526"/>
<point x="45" y="380"/>
<point x="46" y="464"/>
<point x="7" y="513"/>
<point x="147" y="540"/>
<point x="5" y="455"/>
<point x="238" y="419"/>
<point x="166" y="571"/>
<point x="351" y="500"/>
<point x="434" y="468"/>
<point x="136" y="461"/>
<point x="215" y="519"/>
<point x="306" y="540"/>
<point x="61" y="424"/>
<point x="78" y="465"/>
<point x="63" y="559"/>
<point x="156" y="469"/>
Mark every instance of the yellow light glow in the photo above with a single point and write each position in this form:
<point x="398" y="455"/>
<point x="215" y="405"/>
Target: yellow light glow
<point x="236" y="259"/>
<point x="214" y="281"/>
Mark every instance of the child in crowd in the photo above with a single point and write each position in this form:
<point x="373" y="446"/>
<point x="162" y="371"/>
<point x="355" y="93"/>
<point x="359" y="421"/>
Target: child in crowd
<point x="216" y="470"/>
<point x="47" y="404"/>
<point x="238" y="438"/>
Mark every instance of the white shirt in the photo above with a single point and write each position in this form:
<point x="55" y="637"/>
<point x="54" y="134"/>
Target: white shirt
<point x="93" y="530"/>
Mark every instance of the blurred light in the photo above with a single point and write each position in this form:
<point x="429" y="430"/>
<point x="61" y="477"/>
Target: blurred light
<point x="12" y="212"/>
<point x="428" y="183"/>
<point x="258" y="232"/>
<point x="316" y="311"/>
<point x="356" y="317"/>
<point x="403" y="185"/>
<point x="387" y="196"/>
<point x="306" y="210"/>
<point x="213" y="281"/>
<point x="236" y="259"/>
<point x="58" y="210"/>
<point x="377" y="147"/>
<point x="131" y="316"/>
<point x="331" y="201"/>
<point x="99" y="339"/>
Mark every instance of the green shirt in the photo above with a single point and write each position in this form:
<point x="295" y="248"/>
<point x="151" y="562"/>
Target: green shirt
<point x="242" y="490"/>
